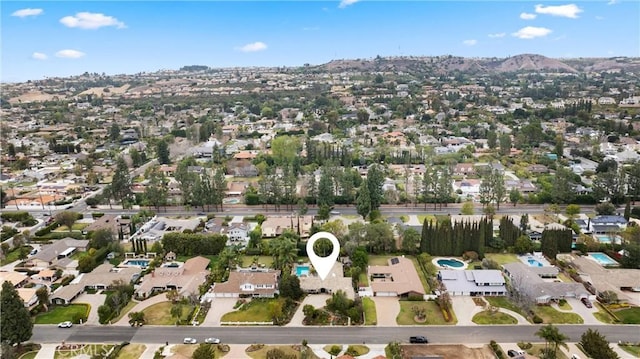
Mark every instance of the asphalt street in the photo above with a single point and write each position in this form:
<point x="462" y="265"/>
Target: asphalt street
<point x="320" y="335"/>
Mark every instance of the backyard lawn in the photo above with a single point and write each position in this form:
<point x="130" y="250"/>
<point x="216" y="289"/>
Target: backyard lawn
<point x="379" y="260"/>
<point x="160" y="313"/>
<point x="488" y="317"/>
<point x="363" y="279"/>
<point x="502" y="258"/>
<point x="629" y="315"/>
<point x="551" y="315"/>
<point x="75" y="227"/>
<point x="257" y="310"/>
<point x="248" y="260"/>
<point x="370" y="315"/>
<point x="131" y="351"/>
<point x="61" y="313"/>
<point x="432" y="311"/>
<point x="287" y="349"/>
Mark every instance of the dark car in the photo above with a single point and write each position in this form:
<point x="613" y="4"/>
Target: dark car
<point x="418" y="339"/>
<point x="586" y="302"/>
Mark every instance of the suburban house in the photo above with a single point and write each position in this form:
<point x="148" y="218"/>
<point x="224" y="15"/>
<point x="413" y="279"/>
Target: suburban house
<point x="608" y="224"/>
<point x="16" y="278"/>
<point x="473" y="282"/>
<point x="28" y="296"/>
<point x="335" y="281"/>
<point x="622" y="281"/>
<point x="529" y="281"/>
<point x="397" y="279"/>
<point x="274" y="226"/>
<point x="248" y="282"/>
<point x="112" y="223"/>
<point x="58" y="253"/>
<point x="238" y="233"/>
<point x="464" y="169"/>
<point x="185" y="279"/>
<point x="103" y="276"/>
<point x="66" y="294"/>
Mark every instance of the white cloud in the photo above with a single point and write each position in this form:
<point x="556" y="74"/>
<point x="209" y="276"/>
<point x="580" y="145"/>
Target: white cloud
<point x="528" y="16"/>
<point x="345" y="3"/>
<point x="70" y="54"/>
<point x="531" y="32"/>
<point x="39" y="56"/>
<point x="27" y="12"/>
<point x="612" y="2"/>
<point x="253" y="47"/>
<point x="470" y="42"/>
<point x="90" y="20"/>
<point x="569" y="10"/>
<point x="497" y="35"/>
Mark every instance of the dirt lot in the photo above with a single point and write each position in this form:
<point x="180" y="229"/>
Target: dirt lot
<point x="448" y="351"/>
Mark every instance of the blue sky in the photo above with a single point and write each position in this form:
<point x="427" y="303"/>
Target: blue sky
<point x="67" y="38"/>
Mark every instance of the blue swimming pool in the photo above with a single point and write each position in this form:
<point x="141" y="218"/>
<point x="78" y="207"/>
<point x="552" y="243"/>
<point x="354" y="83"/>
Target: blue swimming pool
<point x="302" y="271"/>
<point x="603" y="259"/>
<point x="534" y="263"/>
<point x="142" y="263"/>
<point x="603" y="238"/>
<point x="453" y="263"/>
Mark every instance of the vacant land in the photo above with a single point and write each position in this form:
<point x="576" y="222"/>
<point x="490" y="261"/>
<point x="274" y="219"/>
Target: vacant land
<point x="448" y="351"/>
<point x="432" y="311"/>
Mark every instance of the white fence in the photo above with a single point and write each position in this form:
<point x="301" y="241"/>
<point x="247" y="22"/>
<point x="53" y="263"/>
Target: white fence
<point x="246" y="323"/>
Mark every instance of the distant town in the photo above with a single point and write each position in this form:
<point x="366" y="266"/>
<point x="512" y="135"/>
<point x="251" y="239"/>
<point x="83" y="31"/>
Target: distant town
<point x="466" y="193"/>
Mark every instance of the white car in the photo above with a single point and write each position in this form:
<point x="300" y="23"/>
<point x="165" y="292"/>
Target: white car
<point x="212" y="341"/>
<point x="335" y="213"/>
<point x="190" y="341"/>
<point x="66" y="324"/>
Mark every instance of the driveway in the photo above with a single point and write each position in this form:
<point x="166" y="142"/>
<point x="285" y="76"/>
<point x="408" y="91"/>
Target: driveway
<point x="317" y="300"/>
<point x="219" y="307"/>
<point x="465" y="308"/>
<point x="387" y="309"/>
<point x="94" y="300"/>
<point x="579" y="308"/>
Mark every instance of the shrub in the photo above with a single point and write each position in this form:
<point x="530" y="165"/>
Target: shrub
<point x="536" y="319"/>
<point x="254" y="347"/>
<point x="525" y="346"/>
<point x="335" y="350"/>
<point x="96" y="215"/>
<point x="415" y="298"/>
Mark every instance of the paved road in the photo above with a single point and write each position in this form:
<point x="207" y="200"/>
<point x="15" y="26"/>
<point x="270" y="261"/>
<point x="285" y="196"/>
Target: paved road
<point x="319" y="335"/>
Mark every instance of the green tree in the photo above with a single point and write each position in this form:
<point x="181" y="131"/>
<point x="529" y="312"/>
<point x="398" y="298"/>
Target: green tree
<point x="114" y="132"/>
<point x="523" y="245"/>
<point x="597" y="345"/>
<point x="121" y="182"/>
<point x="410" y="240"/>
<point x="43" y="297"/>
<point x="553" y="340"/>
<point x="515" y="196"/>
<point x="290" y="287"/>
<point x="572" y="211"/>
<point x="176" y="312"/>
<point x="285" y="149"/>
<point x="156" y="191"/>
<point x="505" y="144"/>
<point x="363" y="201"/>
<point x="104" y="313"/>
<point x="559" y="147"/>
<point x="67" y="218"/>
<point x="204" y="351"/>
<point x="325" y="188"/>
<point x="492" y="139"/>
<point x="284" y="252"/>
<point x="467" y="208"/>
<point x="16" y="326"/>
<point x="101" y="238"/>
<point x="375" y="180"/>
<point x="162" y="152"/>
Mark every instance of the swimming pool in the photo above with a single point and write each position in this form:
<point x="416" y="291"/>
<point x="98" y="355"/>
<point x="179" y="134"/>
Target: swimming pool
<point x="142" y="263"/>
<point x="534" y="263"/>
<point x="302" y="271"/>
<point x="604" y="238"/>
<point x="603" y="259"/>
<point x="453" y="263"/>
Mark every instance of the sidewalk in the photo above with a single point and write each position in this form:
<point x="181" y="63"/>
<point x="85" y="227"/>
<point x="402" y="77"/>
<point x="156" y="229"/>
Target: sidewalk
<point x="47" y="351"/>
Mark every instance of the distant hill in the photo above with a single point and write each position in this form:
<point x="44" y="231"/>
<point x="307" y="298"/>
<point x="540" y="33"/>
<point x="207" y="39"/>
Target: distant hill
<point x="448" y="64"/>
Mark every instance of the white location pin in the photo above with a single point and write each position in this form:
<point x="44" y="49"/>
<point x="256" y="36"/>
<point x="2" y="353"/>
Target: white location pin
<point x="323" y="265"/>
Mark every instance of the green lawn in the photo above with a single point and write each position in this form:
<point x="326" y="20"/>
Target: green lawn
<point x="565" y="306"/>
<point x="502" y="258"/>
<point x="551" y="315"/>
<point x="536" y="348"/>
<point x="160" y="313"/>
<point x="421" y="274"/>
<point x="14" y="255"/>
<point x="632" y="349"/>
<point x="370" y="315"/>
<point x="503" y="302"/>
<point x="253" y="311"/>
<point x="363" y="279"/>
<point x="629" y="315"/>
<point x="433" y="312"/>
<point x="428" y="217"/>
<point x="358" y="349"/>
<point x="266" y="260"/>
<point x="131" y="351"/>
<point x="75" y="227"/>
<point x="379" y="260"/>
<point x="487" y="317"/>
<point x="61" y="313"/>
<point x="563" y="277"/>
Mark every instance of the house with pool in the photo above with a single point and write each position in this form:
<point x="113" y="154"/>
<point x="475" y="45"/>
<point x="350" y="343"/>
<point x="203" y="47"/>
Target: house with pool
<point x="185" y="278"/>
<point x="473" y="282"/>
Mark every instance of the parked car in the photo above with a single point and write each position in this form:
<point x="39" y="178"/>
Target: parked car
<point x="212" y="341"/>
<point x="586" y="302"/>
<point x="335" y="213"/>
<point x="66" y="324"/>
<point x="418" y="339"/>
<point x="33" y="252"/>
<point x="189" y="341"/>
<point x="515" y="353"/>
<point x="575" y="356"/>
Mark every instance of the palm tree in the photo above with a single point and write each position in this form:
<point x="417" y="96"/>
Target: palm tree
<point x="284" y="252"/>
<point x="176" y="312"/>
<point x="553" y="339"/>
